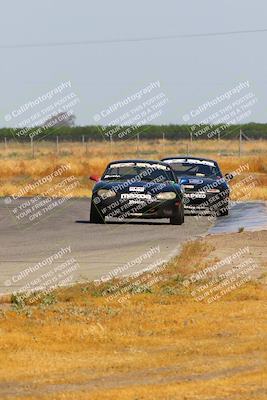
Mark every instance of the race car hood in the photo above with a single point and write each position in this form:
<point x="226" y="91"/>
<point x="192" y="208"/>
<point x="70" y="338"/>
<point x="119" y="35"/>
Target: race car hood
<point x="138" y="187"/>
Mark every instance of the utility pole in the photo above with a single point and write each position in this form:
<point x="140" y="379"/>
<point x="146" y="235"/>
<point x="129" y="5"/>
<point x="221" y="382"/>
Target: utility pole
<point x="57" y="146"/>
<point x="138" y="144"/>
<point x="32" y="147"/>
<point x="110" y="138"/>
<point x="86" y="147"/>
<point x="187" y="148"/>
<point x="5" y="143"/>
<point x="240" y="143"/>
<point x="163" y="143"/>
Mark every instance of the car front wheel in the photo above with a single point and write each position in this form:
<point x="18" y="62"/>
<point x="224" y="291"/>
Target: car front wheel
<point x="96" y="217"/>
<point x="178" y="216"/>
<point x="224" y="210"/>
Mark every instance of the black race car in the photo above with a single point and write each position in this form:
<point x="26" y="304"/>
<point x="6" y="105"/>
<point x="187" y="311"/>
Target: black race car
<point x="206" y="190"/>
<point x="137" y="189"/>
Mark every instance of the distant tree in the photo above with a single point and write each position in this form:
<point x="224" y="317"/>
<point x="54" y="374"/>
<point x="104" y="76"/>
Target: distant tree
<point x="61" y="119"/>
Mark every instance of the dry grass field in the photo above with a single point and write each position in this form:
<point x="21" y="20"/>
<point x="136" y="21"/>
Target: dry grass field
<point x="19" y="166"/>
<point x="160" y="344"/>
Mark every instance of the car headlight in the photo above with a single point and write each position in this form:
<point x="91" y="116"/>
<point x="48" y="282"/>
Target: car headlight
<point x="166" y="196"/>
<point x="106" y="193"/>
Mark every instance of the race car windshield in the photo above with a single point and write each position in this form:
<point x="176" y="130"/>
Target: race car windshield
<point x="190" y="169"/>
<point x="139" y="172"/>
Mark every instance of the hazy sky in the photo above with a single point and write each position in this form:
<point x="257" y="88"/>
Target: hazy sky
<point x="191" y="71"/>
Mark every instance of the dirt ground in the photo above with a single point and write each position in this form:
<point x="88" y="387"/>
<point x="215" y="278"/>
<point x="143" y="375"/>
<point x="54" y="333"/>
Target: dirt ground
<point x="225" y="245"/>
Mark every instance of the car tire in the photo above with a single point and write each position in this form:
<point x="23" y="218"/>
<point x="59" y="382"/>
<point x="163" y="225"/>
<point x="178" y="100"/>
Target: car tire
<point x="96" y="217"/>
<point x="224" y="211"/>
<point x="178" y="216"/>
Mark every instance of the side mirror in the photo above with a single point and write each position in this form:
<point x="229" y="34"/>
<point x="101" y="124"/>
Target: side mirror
<point x="94" y="178"/>
<point x="228" y="177"/>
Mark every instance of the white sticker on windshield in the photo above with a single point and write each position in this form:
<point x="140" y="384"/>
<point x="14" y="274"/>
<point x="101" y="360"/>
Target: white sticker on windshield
<point x="190" y="161"/>
<point x="139" y="164"/>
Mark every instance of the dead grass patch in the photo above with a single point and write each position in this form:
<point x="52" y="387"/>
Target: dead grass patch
<point x="158" y="345"/>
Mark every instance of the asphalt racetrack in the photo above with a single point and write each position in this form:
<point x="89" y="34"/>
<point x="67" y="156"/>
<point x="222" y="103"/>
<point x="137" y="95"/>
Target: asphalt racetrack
<point x="34" y="246"/>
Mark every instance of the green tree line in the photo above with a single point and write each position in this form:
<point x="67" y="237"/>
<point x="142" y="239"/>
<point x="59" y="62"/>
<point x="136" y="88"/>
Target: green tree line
<point x="171" y="132"/>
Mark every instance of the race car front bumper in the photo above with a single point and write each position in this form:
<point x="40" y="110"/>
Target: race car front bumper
<point x="205" y="203"/>
<point x="138" y="208"/>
